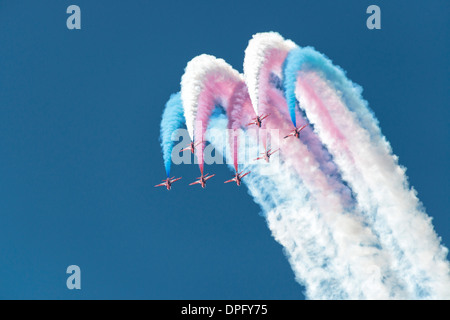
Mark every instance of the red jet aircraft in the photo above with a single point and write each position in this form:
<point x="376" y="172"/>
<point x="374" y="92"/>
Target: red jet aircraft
<point x="258" y="120"/>
<point x="238" y="177"/>
<point x="267" y="154"/>
<point x="202" y="180"/>
<point x="168" y="182"/>
<point x="296" y="132"/>
<point x="191" y="147"/>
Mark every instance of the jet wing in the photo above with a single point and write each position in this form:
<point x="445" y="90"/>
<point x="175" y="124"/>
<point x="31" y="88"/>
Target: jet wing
<point x="196" y="182"/>
<point x="173" y="180"/>
<point x="161" y="184"/>
<point x="209" y="177"/>
<point x="271" y="153"/>
<point x="231" y="180"/>
<point x="245" y="174"/>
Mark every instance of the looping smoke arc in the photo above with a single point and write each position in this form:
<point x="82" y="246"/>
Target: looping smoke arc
<point x="338" y="201"/>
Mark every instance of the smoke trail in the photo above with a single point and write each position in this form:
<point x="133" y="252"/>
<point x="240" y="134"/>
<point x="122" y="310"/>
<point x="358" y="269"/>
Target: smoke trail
<point x="355" y="250"/>
<point x="320" y="176"/>
<point x="193" y="83"/>
<point x="207" y="82"/>
<point x="238" y="110"/>
<point x="351" y="133"/>
<point x="212" y="92"/>
<point x="172" y="119"/>
<point x="347" y="257"/>
<point x="264" y="64"/>
<point x="263" y="48"/>
<point x="288" y="215"/>
<point x="337" y="200"/>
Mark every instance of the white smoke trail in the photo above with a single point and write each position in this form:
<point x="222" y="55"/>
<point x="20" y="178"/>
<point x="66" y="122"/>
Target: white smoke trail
<point x="307" y="237"/>
<point x="193" y="82"/>
<point x="197" y="78"/>
<point x="255" y="55"/>
<point x="356" y="249"/>
<point x="380" y="246"/>
<point x="367" y="163"/>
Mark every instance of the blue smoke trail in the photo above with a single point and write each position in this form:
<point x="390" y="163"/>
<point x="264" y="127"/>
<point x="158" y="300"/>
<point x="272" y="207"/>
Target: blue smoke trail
<point x="308" y="58"/>
<point x="172" y="119"/>
<point x="292" y="65"/>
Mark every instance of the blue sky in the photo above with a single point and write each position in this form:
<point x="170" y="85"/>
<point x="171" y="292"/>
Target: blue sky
<point x="79" y="120"/>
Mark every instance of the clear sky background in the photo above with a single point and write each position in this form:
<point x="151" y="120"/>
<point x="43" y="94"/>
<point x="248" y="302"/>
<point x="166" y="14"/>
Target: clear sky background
<point x="79" y="150"/>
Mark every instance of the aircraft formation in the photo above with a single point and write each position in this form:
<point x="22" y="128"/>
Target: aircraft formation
<point x="238" y="175"/>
